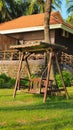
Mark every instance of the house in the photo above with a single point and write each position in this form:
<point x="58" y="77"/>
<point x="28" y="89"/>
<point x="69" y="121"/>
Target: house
<point x="31" y="28"/>
<point x="27" y="29"/>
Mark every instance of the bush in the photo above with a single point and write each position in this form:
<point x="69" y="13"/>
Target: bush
<point x="1" y="82"/>
<point x="24" y="82"/>
<point x="6" y="81"/>
<point x="67" y="76"/>
<point x="5" y="77"/>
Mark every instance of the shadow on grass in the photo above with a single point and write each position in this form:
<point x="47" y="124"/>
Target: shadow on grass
<point x="50" y="104"/>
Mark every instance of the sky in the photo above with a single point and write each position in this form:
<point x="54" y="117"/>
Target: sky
<point x="64" y="13"/>
<point x="63" y="10"/>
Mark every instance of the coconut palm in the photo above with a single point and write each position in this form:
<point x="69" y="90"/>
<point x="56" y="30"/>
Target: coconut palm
<point x="1" y="5"/>
<point x="56" y="4"/>
<point x="70" y="19"/>
<point x="36" y="6"/>
<point x="3" y="11"/>
<point x="69" y="6"/>
<point x="10" y="9"/>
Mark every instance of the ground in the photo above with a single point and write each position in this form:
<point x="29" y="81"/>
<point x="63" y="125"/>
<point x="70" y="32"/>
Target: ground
<point x="28" y="112"/>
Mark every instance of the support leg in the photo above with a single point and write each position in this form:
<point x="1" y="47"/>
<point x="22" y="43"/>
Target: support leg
<point x="60" y="72"/>
<point x="18" y="75"/>
<point x="48" y="76"/>
<point x="28" y="69"/>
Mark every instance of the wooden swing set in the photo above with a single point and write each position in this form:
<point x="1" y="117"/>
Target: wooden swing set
<point x="40" y="47"/>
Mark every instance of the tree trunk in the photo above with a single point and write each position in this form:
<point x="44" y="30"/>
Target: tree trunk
<point x="48" y="40"/>
<point x="47" y="21"/>
<point x="46" y="25"/>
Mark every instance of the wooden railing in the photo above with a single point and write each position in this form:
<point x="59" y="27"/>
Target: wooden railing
<point x="67" y="59"/>
<point x="15" y="55"/>
<point x="10" y="55"/>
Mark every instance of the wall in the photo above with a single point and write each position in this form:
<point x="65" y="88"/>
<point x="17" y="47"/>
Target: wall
<point x="62" y="40"/>
<point x="32" y="36"/>
<point x="6" y="41"/>
<point x="10" y="67"/>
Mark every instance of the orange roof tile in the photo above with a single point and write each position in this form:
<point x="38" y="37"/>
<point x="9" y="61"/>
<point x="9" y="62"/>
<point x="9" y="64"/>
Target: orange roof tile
<point x="31" y="21"/>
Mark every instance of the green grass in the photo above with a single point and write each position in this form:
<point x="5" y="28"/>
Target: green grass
<point x="28" y="112"/>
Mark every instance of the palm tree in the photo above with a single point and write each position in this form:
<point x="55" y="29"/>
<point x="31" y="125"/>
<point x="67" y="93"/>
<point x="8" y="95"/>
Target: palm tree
<point x="56" y="4"/>
<point x="10" y="9"/>
<point x="36" y="6"/>
<point x="69" y="6"/>
<point x="1" y="5"/>
<point x="70" y="19"/>
<point x="4" y="11"/>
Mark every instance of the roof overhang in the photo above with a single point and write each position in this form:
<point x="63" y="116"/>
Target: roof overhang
<point x="37" y="28"/>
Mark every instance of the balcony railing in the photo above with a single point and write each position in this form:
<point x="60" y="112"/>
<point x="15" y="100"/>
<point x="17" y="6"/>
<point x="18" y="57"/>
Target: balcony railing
<point x="15" y="55"/>
<point x="67" y="59"/>
<point x="10" y="55"/>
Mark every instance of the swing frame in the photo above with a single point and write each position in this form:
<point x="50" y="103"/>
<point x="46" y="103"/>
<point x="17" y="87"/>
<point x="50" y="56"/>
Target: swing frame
<point x="39" y="47"/>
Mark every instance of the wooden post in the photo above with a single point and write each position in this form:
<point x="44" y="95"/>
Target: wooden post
<point x="60" y="72"/>
<point x="4" y="55"/>
<point x="45" y="59"/>
<point x="11" y="56"/>
<point x="19" y="55"/>
<point x="48" y="76"/>
<point x="18" y="75"/>
<point x="28" y="69"/>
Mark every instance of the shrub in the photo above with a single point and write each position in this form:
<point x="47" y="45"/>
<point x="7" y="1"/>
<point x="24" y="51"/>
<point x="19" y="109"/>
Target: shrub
<point x="6" y="81"/>
<point x="5" y="77"/>
<point x="67" y="76"/>
<point x="1" y="82"/>
<point x="24" y="82"/>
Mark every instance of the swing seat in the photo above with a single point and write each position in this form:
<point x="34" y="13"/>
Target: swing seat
<point x="34" y="85"/>
<point x="37" y="85"/>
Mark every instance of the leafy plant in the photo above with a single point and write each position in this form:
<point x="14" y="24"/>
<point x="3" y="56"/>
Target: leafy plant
<point x="6" y="81"/>
<point x="67" y="76"/>
<point x="1" y="82"/>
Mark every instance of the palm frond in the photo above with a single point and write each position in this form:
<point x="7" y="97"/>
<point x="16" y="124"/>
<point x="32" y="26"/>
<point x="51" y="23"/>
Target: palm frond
<point x="70" y="9"/>
<point x="56" y="4"/>
<point x="1" y="5"/>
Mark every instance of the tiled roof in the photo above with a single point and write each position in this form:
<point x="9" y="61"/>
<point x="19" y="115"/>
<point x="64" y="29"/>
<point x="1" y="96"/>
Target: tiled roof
<point x="31" y="21"/>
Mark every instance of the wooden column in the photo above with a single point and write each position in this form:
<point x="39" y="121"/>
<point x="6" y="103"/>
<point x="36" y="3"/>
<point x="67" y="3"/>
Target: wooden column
<point x="60" y="72"/>
<point x="48" y="75"/>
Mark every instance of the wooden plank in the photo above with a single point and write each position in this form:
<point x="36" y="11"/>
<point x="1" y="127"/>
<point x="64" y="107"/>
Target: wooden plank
<point x="37" y="46"/>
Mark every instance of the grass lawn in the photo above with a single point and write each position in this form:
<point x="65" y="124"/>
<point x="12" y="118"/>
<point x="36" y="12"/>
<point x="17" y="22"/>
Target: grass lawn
<point x="28" y="112"/>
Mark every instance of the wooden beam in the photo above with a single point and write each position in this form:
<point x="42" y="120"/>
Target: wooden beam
<point x="18" y="75"/>
<point x="28" y="68"/>
<point x="60" y="72"/>
<point x="48" y="76"/>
